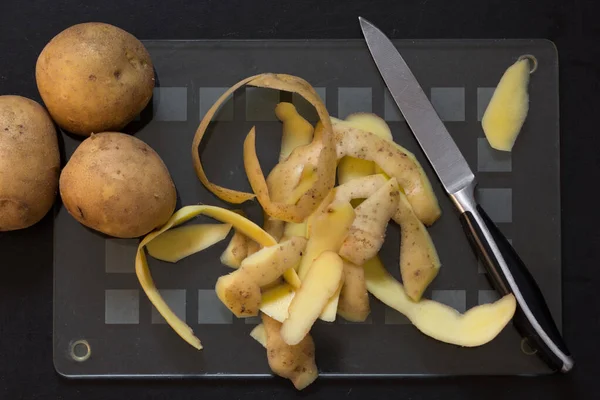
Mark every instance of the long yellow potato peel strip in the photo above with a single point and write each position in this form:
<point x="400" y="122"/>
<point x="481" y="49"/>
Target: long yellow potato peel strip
<point x="229" y="195"/>
<point x="244" y="225"/>
<point x="325" y="166"/>
<point x="476" y="327"/>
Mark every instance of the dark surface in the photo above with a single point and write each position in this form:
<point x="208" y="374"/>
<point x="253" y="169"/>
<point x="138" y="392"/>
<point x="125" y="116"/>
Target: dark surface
<point x="26" y="369"/>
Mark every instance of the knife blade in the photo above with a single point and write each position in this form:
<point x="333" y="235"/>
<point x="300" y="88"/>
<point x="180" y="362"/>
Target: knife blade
<point x="506" y="270"/>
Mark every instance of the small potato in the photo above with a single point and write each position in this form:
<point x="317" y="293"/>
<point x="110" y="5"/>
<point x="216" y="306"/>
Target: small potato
<point x="116" y="184"/>
<point x="94" y="77"/>
<point x="29" y="162"/>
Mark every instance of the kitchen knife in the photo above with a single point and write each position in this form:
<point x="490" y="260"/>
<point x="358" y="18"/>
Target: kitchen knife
<point x="506" y="270"/>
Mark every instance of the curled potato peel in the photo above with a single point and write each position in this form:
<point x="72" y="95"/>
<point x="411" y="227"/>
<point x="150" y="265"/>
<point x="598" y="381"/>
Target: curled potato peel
<point x="327" y="158"/>
<point x="245" y="226"/>
<point x="229" y="195"/>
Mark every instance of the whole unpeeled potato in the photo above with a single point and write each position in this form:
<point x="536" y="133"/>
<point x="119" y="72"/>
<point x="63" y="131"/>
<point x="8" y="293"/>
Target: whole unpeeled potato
<point x="29" y="162"/>
<point x="94" y="77"/>
<point x="118" y="185"/>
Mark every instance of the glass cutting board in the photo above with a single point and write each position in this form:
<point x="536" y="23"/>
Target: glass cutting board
<point x="104" y="326"/>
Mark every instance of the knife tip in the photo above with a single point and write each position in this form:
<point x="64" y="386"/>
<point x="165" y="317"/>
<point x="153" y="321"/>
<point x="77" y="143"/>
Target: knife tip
<point x="364" y="23"/>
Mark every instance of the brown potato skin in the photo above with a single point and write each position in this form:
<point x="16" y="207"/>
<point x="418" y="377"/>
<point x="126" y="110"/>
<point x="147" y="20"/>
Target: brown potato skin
<point x="118" y="185"/>
<point x="29" y="162"/>
<point x="94" y="77"/>
<point x="296" y="363"/>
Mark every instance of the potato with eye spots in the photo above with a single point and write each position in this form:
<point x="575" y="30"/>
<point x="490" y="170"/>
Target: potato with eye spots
<point x="94" y="77"/>
<point x="29" y="162"/>
<point x="118" y="185"/>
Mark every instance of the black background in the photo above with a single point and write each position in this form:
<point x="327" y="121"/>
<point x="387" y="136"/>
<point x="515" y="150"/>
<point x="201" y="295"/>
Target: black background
<point x="26" y="369"/>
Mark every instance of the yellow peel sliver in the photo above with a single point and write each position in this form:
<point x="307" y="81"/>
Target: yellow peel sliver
<point x="476" y="327"/>
<point x="184" y="241"/>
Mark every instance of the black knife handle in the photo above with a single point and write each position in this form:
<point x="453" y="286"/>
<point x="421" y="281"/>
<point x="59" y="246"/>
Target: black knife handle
<point x="509" y="274"/>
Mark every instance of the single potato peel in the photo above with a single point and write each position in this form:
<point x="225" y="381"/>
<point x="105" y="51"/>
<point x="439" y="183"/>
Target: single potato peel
<point x="320" y="284"/>
<point x="181" y="242"/>
<point x="419" y="261"/>
<point x="476" y="327"/>
<point x="508" y="107"/>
